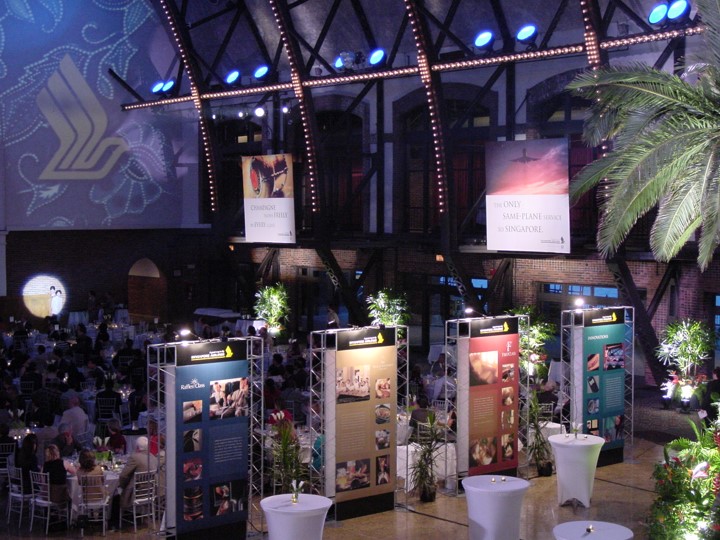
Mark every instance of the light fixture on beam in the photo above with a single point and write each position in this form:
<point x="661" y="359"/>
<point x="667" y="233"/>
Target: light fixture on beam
<point x="484" y="40"/>
<point x="527" y="35"/>
<point x="233" y="77"/>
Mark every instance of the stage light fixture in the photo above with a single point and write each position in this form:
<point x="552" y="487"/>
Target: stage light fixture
<point x="527" y="34"/>
<point x="259" y="112"/>
<point x="168" y="85"/>
<point x="376" y="57"/>
<point x="261" y="72"/>
<point x="345" y="60"/>
<point x="232" y="77"/>
<point x="658" y="14"/>
<point x="157" y="87"/>
<point x="285" y="108"/>
<point x="678" y="11"/>
<point x="484" y="40"/>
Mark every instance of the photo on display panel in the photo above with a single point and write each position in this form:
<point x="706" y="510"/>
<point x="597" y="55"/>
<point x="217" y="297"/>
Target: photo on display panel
<point x="614" y="356"/>
<point x="352" y="384"/>
<point x="592" y="426"/>
<point x="508" y="396"/>
<point x="227" y="497"/>
<point x="382" y="413"/>
<point x="593" y="384"/>
<point x="507" y="444"/>
<point x="484" y="368"/>
<point x="382" y="468"/>
<point x="382" y="388"/>
<point x="483" y="451"/>
<point x="192" y="411"/>
<point x="593" y="362"/>
<point x="229" y="398"/>
<point x="192" y="440"/>
<point x="351" y="475"/>
<point x="192" y="469"/>
<point x="382" y="439"/>
<point x="192" y="503"/>
<point x="508" y="372"/>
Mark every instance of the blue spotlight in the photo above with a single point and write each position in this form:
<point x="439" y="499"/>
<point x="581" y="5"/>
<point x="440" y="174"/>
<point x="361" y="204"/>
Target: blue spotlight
<point x="376" y="57"/>
<point x="658" y="14"/>
<point x="338" y="63"/>
<point x="232" y="77"/>
<point x="157" y="87"/>
<point x="678" y="10"/>
<point x="484" y="39"/>
<point x="261" y="72"/>
<point x="168" y="85"/>
<point x="527" y="33"/>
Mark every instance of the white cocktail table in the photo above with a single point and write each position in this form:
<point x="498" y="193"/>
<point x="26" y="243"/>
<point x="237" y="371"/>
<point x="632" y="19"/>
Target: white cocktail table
<point x="575" y="462"/>
<point x="303" y="520"/>
<point x="591" y="530"/>
<point x="494" y="503"/>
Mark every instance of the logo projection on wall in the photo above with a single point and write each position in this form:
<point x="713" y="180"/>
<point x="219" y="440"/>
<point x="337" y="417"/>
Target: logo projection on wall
<point x="527" y="196"/>
<point x="80" y="123"/>
<point x="269" y="199"/>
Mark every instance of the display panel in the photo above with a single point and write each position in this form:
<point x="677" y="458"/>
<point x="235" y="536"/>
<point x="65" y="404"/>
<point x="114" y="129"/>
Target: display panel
<point x="365" y="413"/>
<point x="603" y="391"/>
<point x="212" y="440"/>
<point x="493" y="395"/>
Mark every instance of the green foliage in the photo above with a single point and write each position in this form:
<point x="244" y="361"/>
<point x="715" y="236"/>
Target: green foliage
<point x="287" y="465"/>
<point x="684" y="487"/>
<point x="665" y="130"/>
<point x="535" y="332"/>
<point x="389" y="308"/>
<point x="539" y="447"/>
<point x="685" y="345"/>
<point x="272" y="304"/>
<point x="422" y="472"/>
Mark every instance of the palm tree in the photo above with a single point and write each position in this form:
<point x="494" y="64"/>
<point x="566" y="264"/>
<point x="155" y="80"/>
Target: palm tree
<point x="666" y="132"/>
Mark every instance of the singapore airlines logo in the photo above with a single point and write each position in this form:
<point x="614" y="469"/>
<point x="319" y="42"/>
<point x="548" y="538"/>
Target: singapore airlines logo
<point x="80" y="122"/>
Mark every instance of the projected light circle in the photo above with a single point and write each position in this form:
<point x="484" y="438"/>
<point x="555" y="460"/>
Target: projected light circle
<point x="44" y="295"/>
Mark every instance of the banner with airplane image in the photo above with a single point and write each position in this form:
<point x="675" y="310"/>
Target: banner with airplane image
<point x="527" y="196"/>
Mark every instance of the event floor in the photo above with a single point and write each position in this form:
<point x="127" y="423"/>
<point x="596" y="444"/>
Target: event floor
<point x="623" y="494"/>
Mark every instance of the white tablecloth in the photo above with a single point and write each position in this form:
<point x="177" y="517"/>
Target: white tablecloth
<point x="601" y="530"/>
<point x="303" y="520"/>
<point x="112" y="479"/>
<point x="494" y="503"/>
<point x="575" y="463"/>
<point x="407" y="456"/>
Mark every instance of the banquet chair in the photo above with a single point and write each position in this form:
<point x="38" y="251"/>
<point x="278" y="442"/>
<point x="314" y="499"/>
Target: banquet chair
<point x="42" y="506"/>
<point x="6" y="450"/>
<point x="86" y="438"/>
<point x="424" y="433"/>
<point x="95" y="503"/>
<point x="88" y="385"/>
<point x="143" y="503"/>
<point x="105" y="413"/>
<point x="18" y="500"/>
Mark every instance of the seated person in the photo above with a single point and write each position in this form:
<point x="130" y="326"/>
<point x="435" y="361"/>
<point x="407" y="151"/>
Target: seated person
<point x="65" y="441"/>
<point x="116" y="440"/>
<point x="88" y="467"/>
<point x="55" y="467"/>
<point x="420" y="414"/>
<point x="139" y="461"/>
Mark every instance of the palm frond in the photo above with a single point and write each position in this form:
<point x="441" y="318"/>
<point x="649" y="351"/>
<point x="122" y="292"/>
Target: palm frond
<point x="710" y="12"/>
<point x="710" y="212"/>
<point x="678" y="218"/>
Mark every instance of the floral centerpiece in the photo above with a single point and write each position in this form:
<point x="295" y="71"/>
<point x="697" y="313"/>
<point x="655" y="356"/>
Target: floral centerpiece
<point x="287" y="466"/>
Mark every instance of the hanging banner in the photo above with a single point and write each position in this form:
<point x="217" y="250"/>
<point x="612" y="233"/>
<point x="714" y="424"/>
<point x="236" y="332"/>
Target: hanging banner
<point x="269" y="199"/>
<point x="365" y="420"/>
<point x="604" y="359"/>
<point x="493" y="396"/>
<point x="527" y="200"/>
<point x="212" y="405"/>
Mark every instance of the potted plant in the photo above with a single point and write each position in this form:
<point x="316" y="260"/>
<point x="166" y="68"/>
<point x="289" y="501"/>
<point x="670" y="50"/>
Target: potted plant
<point x="538" y="448"/>
<point x="422" y="472"/>
<point x="388" y="308"/>
<point x="272" y="304"/>
<point x="685" y="345"/>
<point x="287" y="465"/>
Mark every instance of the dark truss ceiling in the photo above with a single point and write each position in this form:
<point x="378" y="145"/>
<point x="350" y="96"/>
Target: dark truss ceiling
<point x="242" y="34"/>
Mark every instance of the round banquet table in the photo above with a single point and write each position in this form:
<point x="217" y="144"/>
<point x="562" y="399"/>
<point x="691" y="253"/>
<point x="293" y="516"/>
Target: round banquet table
<point x="494" y="506"/>
<point x="303" y="520"/>
<point x="601" y="530"/>
<point x="575" y="462"/>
